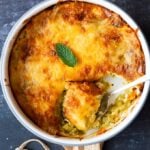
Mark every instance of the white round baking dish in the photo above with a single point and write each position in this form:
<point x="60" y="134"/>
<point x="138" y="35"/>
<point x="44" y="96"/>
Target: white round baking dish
<point x="27" y="123"/>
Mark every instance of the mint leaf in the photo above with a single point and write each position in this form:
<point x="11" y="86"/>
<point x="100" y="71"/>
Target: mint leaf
<point x="65" y="54"/>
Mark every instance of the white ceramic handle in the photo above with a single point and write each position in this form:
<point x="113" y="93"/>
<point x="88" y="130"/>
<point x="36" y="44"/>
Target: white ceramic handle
<point x="138" y="81"/>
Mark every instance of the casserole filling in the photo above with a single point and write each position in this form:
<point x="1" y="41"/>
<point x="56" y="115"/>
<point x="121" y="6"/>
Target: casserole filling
<point x="81" y="104"/>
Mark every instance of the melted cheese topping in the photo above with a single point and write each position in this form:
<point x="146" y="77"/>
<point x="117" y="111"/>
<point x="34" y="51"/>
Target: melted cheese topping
<point x="102" y="43"/>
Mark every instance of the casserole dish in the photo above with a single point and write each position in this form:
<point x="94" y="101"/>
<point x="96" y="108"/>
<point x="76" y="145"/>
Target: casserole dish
<point x="15" y="107"/>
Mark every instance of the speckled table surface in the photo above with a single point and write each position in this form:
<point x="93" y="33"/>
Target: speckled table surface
<point x="12" y="133"/>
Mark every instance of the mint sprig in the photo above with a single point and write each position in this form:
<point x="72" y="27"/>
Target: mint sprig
<point x="66" y="54"/>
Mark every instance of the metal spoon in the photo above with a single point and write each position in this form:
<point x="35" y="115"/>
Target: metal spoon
<point x="105" y="102"/>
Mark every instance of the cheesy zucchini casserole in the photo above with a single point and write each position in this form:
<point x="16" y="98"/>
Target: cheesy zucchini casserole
<point x="64" y="99"/>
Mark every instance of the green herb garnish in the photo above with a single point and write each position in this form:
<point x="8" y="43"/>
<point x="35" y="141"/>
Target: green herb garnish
<point x="65" y="54"/>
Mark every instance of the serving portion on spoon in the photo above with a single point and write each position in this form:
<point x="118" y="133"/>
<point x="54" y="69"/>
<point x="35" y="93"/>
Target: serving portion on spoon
<point x="107" y="101"/>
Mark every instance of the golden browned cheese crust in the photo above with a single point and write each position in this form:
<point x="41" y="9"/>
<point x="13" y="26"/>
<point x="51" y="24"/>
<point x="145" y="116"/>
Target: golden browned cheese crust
<point x="99" y="38"/>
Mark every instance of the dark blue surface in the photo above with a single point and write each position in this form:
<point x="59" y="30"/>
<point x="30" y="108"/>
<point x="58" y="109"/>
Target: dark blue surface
<point x="12" y="133"/>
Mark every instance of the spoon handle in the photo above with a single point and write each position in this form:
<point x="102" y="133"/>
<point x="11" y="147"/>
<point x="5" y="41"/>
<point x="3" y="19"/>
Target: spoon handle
<point x="138" y="81"/>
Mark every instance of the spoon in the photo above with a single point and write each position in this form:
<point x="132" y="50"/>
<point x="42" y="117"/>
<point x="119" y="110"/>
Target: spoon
<point x="105" y="102"/>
